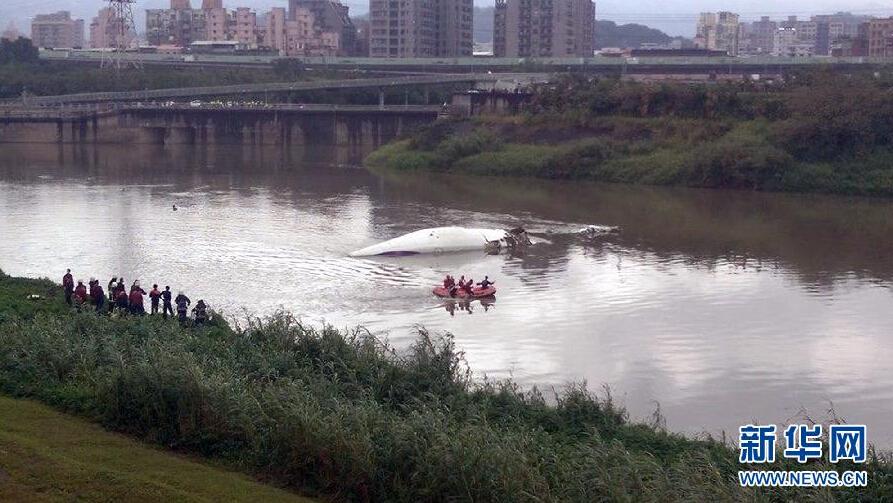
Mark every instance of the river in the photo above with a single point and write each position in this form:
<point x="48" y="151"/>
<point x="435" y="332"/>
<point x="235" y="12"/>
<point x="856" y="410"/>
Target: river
<point x="719" y="307"/>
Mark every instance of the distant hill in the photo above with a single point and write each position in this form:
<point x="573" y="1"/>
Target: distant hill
<point x="610" y="34"/>
<point x="607" y="33"/>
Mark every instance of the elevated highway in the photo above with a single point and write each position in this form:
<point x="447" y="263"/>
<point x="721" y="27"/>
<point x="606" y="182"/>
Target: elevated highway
<point x="595" y="65"/>
<point x="259" y="89"/>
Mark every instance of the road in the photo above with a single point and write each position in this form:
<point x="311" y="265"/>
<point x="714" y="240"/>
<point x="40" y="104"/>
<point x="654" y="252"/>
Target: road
<point x="255" y="89"/>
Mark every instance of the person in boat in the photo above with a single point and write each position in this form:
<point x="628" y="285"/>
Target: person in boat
<point x="446" y="282"/>
<point x="486" y="283"/>
<point x="68" y="285"/>
<point x="182" y="302"/>
<point x="155" y="297"/>
<point x="166" y="297"/>
<point x="469" y="287"/>
<point x="200" y="311"/>
<point x="136" y="299"/>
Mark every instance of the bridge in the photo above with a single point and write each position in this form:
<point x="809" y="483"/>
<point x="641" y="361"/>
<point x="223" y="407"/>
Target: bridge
<point x="260" y="89"/>
<point x="603" y="65"/>
<point x="251" y="123"/>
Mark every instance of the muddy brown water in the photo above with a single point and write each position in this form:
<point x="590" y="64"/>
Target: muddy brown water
<point x="721" y="307"/>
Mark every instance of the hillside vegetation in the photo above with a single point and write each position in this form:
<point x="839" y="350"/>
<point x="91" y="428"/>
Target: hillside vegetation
<point x="819" y="132"/>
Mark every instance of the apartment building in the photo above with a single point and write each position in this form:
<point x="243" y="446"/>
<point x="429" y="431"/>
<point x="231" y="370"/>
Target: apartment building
<point x="420" y="28"/>
<point x="329" y="16"/>
<point x="718" y="31"/>
<point x="57" y="30"/>
<point x="543" y="28"/>
<point x="880" y="38"/>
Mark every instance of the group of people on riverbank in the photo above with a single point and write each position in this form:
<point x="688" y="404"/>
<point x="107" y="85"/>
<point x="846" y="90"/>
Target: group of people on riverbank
<point x="118" y="299"/>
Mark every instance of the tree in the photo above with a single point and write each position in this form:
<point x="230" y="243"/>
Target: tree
<point x="20" y="50"/>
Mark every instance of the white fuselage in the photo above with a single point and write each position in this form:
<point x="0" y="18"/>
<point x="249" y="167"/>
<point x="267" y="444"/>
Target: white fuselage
<point x="436" y="240"/>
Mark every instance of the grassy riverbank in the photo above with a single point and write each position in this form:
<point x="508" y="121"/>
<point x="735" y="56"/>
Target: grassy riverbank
<point x="346" y="416"/>
<point x="816" y="133"/>
<point x="49" y="456"/>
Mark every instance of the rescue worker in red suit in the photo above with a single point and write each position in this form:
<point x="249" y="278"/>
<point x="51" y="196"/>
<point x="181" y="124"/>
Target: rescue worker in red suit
<point x="155" y="297"/>
<point x="136" y="299"/>
<point x="80" y="295"/>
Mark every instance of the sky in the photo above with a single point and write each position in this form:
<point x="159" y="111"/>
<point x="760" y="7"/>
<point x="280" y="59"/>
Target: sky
<point x="676" y="17"/>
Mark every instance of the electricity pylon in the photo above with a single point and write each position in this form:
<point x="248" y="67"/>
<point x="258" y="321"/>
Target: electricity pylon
<point x="119" y="26"/>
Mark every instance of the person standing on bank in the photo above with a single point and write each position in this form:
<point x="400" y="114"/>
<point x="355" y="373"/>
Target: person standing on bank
<point x="155" y="296"/>
<point x="111" y="288"/>
<point x="182" y="302"/>
<point x="80" y="295"/>
<point x="136" y="299"/>
<point x="68" y="285"/>
<point x="166" y="297"/>
<point x="98" y="295"/>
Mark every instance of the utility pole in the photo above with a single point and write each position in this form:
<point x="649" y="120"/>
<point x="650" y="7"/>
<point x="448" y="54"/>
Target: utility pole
<point x="120" y="26"/>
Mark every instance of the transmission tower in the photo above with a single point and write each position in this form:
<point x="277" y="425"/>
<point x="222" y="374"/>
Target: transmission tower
<point x="119" y="27"/>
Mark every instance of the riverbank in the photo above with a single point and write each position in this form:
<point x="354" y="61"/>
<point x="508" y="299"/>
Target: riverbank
<point x="824" y="133"/>
<point x="48" y="456"/>
<point x="347" y="416"/>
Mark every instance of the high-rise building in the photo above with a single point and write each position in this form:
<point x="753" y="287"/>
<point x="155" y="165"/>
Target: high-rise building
<point x="106" y="29"/>
<point x="718" y="31"/>
<point x="762" y="36"/>
<point x="178" y="27"/>
<point x="543" y="28"/>
<point x="57" y="30"/>
<point x="822" y="38"/>
<point x="217" y="22"/>
<point x="212" y="4"/>
<point x="880" y="38"/>
<point x="789" y="44"/>
<point x="244" y="26"/>
<point x="420" y="28"/>
<point x="275" y="37"/>
<point x="329" y="16"/>
<point x="180" y="5"/>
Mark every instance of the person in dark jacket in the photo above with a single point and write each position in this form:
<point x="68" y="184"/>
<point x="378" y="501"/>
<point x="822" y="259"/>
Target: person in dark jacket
<point x="166" y="297"/>
<point x="486" y="283"/>
<point x="201" y="313"/>
<point x="155" y="297"/>
<point x="182" y="302"/>
<point x="136" y="299"/>
<point x="121" y="301"/>
<point x="68" y="285"/>
<point x="98" y="295"/>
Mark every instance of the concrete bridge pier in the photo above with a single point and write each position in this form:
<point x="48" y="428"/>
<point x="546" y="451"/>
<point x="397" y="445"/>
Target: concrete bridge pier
<point x="182" y="136"/>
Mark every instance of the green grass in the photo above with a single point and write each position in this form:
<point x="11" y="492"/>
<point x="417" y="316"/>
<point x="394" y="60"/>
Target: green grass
<point x="347" y="416"/>
<point x="48" y="456"/>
